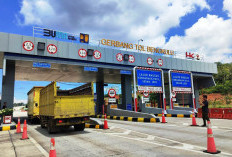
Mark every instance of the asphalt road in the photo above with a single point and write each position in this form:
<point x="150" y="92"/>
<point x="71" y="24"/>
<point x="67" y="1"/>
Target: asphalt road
<point x="175" y="138"/>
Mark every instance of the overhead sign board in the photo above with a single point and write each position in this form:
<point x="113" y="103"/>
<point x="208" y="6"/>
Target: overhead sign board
<point x="94" y="69"/>
<point x="182" y="80"/>
<point x="141" y="48"/>
<point x="149" y="78"/>
<point x="41" y="65"/>
<point x="125" y="72"/>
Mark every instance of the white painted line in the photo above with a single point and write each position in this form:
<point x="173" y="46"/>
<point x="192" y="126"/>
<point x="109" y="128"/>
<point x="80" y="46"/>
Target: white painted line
<point x="42" y="150"/>
<point x="159" y="144"/>
<point x="185" y="146"/>
<point x="150" y="137"/>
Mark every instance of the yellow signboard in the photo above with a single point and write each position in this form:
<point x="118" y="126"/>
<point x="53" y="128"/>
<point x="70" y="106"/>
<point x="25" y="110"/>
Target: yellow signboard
<point x="148" y="104"/>
<point x="113" y="106"/>
<point x="119" y="44"/>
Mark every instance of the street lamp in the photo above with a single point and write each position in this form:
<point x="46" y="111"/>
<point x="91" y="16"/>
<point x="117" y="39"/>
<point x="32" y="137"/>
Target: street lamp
<point x="138" y="43"/>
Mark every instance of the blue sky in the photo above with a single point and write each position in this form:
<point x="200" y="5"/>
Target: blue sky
<point x="200" y="26"/>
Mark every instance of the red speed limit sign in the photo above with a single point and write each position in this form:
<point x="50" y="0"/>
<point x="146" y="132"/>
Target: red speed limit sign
<point x="112" y="93"/>
<point x="52" y="49"/>
<point x="145" y="94"/>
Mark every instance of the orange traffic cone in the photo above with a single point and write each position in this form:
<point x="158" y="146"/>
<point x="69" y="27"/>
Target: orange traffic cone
<point x="211" y="148"/>
<point x="24" y="135"/>
<point x="105" y="123"/>
<point x="52" y="152"/>
<point x="18" y="130"/>
<point x="194" y="123"/>
<point x="163" y="117"/>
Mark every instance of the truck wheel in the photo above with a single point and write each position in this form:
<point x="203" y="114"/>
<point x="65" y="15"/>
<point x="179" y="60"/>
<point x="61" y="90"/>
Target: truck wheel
<point x="42" y="125"/>
<point x="79" y="127"/>
<point x="51" y="127"/>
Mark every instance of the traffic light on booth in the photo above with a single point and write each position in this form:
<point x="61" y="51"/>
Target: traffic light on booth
<point x="84" y="38"/>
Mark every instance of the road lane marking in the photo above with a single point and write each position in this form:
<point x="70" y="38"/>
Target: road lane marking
<point x="184" y="146"/>
<point x="41" y="149"/>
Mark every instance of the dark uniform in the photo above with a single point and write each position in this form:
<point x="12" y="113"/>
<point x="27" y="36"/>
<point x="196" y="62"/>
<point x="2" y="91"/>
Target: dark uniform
<point x="205" y="112"/>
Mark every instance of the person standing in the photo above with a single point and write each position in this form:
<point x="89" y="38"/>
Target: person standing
<point x="4" y="106"/>
<point x="205" y="110"/>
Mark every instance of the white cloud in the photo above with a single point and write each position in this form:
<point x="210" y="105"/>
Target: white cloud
<point x="20" y="101"/>
<point x="169" y="14"/>
<point x="211" y="36"/>
<point x="227" y="6"/>
<point x="129" y="21"/>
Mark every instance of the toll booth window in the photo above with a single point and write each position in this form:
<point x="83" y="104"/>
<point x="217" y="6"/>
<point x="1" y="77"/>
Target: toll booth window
<point x="183" y="100"/>
<point x="154" y="100"/>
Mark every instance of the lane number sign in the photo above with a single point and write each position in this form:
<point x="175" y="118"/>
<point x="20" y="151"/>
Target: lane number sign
<point x="149" y="61"/>
<point x="119" y="57"/>
<point x="82" y="53"/>
<point x="97" y="54"/>
<point x="28" y="45"/>
<point x="160" y="62"/>
<point x="131" y="59"/>
<point x="111" y="93"/>
<point x="52" y="49"/>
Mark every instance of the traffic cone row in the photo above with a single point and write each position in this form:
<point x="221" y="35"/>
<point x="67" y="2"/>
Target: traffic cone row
<point x="163" y="117"/>
<point x="194" y="123"/>
<point x="52" y="152"/>
<point x="18" y="130"/>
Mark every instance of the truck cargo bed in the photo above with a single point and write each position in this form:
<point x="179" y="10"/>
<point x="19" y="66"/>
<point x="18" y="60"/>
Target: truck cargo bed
<point x="68" y="106"/>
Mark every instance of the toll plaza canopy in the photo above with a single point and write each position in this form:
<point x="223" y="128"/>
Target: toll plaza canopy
<point x="40" y="59"/>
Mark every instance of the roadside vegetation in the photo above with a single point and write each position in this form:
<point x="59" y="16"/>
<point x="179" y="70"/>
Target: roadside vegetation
<point x="223" y="86"/>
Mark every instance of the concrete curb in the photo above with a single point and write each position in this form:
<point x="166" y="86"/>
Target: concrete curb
<point x="94" y="126"/>
<point x="133" y="119"/>
<point x="175" y="115"/>
<point x="6" y="128"/>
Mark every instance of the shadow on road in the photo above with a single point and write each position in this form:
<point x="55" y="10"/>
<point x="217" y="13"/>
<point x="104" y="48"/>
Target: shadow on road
<point x="60" y="132"/>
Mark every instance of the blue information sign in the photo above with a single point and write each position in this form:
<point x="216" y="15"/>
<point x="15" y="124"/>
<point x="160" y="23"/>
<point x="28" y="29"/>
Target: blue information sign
<point x="125" y="72"/>
<point x="41" y="65"/>
<point x="91" y="69"/>
<point x="149" y="78"/>
<point x="182" y="80"/>
<point x="128" y="107"/>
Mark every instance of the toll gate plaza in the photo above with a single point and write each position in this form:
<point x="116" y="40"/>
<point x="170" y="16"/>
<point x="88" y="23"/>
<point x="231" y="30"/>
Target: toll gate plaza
<point x="40" y="59"/>
<point x="129" y="127"/>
